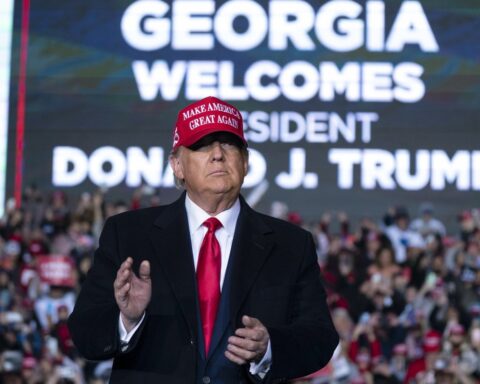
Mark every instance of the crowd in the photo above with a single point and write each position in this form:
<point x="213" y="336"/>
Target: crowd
<point x="404" y="294"/>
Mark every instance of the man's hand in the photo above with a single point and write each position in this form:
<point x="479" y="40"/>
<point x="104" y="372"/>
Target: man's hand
<point x="249" y="344"/>
<point x="132" y="293"/>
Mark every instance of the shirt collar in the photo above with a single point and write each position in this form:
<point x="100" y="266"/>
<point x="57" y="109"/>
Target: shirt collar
<point x="196" y="216"/>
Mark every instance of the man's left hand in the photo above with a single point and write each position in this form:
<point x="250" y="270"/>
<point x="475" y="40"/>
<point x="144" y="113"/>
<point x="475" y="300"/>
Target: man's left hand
<point x="249" y="344"/>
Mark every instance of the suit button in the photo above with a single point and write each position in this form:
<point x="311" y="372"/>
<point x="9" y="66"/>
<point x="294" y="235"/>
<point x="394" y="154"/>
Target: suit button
<point x="206" y="380"/>
<point x="192" y="343"/>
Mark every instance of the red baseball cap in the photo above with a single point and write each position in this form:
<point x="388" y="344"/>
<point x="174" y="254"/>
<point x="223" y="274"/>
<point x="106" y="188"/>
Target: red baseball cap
<point x="432" y="342"/>
<point x="400" y="349"/>
<point x="457" y="329"/>
<point x="29" y="362"/>
<point x="206" y="116"/>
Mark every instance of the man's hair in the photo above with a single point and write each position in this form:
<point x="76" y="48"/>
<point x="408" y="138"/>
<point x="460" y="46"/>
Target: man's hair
<point x="179" y="183"/>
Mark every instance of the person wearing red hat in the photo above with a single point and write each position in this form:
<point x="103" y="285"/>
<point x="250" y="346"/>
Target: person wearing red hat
<point x="423" y="367"/>
<point x="205" y="290"/>
<point x="459" y="349"/>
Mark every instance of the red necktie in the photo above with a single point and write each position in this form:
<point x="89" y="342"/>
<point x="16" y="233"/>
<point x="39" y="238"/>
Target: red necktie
<point x="208" y="279"/>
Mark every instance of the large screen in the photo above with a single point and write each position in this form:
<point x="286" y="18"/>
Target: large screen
<point x="348" y="105"/>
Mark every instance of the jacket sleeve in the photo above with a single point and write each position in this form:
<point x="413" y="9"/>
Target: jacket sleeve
<point x="94" y="320"/>
<point x="308" y="341"/>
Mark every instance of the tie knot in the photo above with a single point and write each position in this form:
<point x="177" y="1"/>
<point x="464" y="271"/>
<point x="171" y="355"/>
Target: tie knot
<point x="212" y="224"/>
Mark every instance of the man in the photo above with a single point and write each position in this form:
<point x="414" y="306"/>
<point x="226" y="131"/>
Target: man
<point x="205" y="290"/>
<point x="403" y="239"/>
<point x="426" y="224"/>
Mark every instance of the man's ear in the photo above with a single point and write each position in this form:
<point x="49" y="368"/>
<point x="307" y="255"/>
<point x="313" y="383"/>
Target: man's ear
<point x="176" y="166"/>
<point x="245" y="161"/>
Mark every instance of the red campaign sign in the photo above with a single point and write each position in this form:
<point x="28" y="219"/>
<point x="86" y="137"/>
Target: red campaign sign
<point x="56" y="270"/>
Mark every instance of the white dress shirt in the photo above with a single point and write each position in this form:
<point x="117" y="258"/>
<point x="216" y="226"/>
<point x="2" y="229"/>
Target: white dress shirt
<point x="196" y="217"/>
<point x="224" y="234"/>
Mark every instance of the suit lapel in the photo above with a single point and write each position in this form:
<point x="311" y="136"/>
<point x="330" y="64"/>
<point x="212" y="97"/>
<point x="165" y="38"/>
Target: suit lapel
<point x="171" y="240"/>
<point x="250" y="250"/>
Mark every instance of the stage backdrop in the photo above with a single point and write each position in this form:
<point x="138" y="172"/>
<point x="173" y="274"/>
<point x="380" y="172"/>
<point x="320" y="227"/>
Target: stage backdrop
<point x="348" y="105"/>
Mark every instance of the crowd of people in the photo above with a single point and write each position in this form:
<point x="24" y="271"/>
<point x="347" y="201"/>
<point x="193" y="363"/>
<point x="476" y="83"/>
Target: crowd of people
<point x="404" y="293"/>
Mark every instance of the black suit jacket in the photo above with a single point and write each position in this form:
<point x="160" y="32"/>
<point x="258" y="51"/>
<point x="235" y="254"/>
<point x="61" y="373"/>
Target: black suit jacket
<point x="274" y="277"/>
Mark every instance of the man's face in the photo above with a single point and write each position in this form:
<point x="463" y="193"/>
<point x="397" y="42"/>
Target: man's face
<point x="402" y="223"/>
<point x="215" y="165"/>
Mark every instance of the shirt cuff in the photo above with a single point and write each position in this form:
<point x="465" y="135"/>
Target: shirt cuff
<point x="262" y="368"/>
<point x="125" y="336"/>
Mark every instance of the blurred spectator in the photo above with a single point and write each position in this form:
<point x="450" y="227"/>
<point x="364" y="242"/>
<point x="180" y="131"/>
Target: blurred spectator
<point x="344" y="280"/>
<point x="279" y="210"/>
<point x="47" y="306"/>
<point x="364" y="348"/>
<point x="426" y="224"/>
<point x="369" y="241"/>
<point x="459" y="350"/>
<point x="60" y="212"/>
<point x="62" y="333"/>
<point x="469" y="224"/>
<point x="398" y="362"/>
<point x="402" y="237"/>
<point x="421" y="370"/>
<point x="33" y="204"/>
<point x="7" y="291"/>
<point x="384" y="268"/>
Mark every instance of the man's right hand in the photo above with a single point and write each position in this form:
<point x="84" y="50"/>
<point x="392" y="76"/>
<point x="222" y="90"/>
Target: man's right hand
<point x="132" y="293"/>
